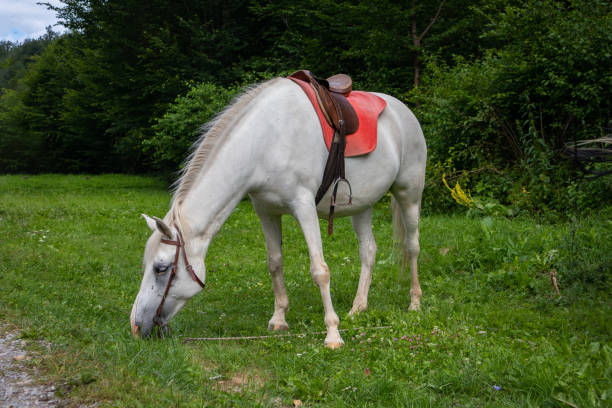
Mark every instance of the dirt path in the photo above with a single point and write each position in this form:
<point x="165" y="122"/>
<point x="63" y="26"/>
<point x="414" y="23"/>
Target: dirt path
<point x="17" y="387"/>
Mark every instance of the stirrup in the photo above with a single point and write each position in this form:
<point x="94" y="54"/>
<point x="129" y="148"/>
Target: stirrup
<point x="335" y="190"/>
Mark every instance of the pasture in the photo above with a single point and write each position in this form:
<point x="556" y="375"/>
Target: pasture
<point x="491" y="332"/>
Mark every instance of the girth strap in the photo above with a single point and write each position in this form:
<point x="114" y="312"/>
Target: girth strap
<point x="332" y="105"/>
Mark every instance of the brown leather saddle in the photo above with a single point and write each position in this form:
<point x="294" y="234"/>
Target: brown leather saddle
<point x="331" y="95"/>
<point x="340" y="115"/>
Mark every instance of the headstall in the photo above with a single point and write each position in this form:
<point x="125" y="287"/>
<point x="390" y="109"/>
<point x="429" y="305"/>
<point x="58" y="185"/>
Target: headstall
<point x="180" y="245"/>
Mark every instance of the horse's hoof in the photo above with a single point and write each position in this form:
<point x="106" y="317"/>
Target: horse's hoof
<point x="332" y="345"/>
<point x="357" y="309"/>
<point x="414" y="307"/>
<point x="278" y="327"/>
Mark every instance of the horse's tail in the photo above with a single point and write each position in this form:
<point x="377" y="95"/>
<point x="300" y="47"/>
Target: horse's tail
<point x="399" y="233"/>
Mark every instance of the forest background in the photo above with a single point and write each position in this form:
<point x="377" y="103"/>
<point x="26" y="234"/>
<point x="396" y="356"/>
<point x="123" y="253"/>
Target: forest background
<point x="500" y="87"/>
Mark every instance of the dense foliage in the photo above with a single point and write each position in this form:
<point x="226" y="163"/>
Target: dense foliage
<point x="504" y="119"/>
<point x="177" y="129"/>
<point x="499" y="86"/>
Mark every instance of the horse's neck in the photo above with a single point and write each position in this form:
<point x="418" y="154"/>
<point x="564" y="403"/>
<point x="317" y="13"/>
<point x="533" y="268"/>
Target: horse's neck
<point x="241" y="163"/>
<point x="227" y="174"/>
<point x="215" y="194"/>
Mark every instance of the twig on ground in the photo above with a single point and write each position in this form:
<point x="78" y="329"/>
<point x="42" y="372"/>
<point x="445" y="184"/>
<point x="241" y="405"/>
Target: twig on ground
<point x="190" y="339"/>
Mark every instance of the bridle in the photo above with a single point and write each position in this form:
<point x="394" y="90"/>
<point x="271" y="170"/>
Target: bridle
<point x="180" y="245"/>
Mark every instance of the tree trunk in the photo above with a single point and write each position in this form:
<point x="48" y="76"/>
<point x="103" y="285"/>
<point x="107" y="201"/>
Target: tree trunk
<point x="416" y="39"/>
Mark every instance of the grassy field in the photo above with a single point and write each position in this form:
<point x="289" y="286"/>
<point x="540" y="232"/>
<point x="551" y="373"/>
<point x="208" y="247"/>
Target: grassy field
<point x="491" y="333"/>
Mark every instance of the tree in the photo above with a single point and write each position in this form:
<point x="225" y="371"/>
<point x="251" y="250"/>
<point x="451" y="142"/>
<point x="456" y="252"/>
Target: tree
<point x="15" y="58"/>
<point x="137" y="56"/>
<point x="418" y="38"/>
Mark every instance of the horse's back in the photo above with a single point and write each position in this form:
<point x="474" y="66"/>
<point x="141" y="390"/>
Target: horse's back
<point x="295" y="154"/>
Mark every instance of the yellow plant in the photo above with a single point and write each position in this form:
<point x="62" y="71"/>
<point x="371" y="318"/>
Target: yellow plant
<point x="460" y="196"/>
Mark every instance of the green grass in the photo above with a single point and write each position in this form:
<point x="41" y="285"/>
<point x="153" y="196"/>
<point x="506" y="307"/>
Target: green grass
<point x="70" y="256"/>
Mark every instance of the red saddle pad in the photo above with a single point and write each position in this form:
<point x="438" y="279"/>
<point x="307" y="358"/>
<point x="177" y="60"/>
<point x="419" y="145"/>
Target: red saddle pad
<point x="368" y="107"/>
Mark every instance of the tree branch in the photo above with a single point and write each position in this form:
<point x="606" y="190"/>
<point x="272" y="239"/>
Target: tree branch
<point x="433" y="20"/>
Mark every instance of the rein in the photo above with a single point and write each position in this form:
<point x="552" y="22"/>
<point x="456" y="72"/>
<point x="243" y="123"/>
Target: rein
<point x="180" y="247"/>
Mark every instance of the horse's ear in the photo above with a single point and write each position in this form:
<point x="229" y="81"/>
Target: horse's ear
<point x="163" y="228"/>
<point x="150" y="222"/>
<point x="155" y="223"/>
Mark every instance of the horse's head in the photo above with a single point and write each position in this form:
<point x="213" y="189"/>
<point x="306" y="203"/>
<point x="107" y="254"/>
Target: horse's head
<point x="168" y="281"/>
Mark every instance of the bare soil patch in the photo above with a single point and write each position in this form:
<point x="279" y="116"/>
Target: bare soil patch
<point x="18" y="386"/>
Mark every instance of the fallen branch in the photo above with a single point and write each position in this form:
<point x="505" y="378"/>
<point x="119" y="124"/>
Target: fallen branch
<point x="301" y="335"/>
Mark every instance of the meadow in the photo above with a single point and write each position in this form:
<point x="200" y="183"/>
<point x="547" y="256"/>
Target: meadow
<point x="492" y="331"/>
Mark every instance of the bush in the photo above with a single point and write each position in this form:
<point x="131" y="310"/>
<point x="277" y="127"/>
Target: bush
<point x="500" y="122"/>
<point x="180" y="126"/>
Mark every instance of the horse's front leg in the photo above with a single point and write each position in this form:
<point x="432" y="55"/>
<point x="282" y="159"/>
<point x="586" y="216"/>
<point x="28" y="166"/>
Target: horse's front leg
<point x="272" y="228"/>
<point x="362" y="224"/>
<point x="306" y="214"/>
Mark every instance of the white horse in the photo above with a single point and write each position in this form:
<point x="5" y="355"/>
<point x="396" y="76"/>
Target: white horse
<point x="268" y="144"/>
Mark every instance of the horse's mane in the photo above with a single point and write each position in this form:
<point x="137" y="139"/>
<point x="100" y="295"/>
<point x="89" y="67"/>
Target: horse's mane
<point x="213" y="135"/>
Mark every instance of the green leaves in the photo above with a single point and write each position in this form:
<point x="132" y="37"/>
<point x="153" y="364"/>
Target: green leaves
<point x="543" y="84"/>
<point x="181" y="125"/>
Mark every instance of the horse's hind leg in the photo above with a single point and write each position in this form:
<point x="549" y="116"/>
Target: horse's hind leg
<point x="362" y="224"/>
<point x="272" y="228"/>
<point x="408" y="204"/>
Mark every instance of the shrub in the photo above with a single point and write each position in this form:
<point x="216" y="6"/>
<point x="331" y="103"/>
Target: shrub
<point x="180" y="126"/>
<point x="500" y="122"/>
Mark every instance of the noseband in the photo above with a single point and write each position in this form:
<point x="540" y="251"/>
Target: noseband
<point x="180" y="247"/>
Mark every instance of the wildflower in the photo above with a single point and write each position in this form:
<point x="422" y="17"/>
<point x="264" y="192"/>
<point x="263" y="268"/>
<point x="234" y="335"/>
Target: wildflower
<point x="395" y="339"/>
<point x="497" y="387"/>
<point x="460" y="196"/>
<point x="404" y="337"/>
<point x="367" y="371"/>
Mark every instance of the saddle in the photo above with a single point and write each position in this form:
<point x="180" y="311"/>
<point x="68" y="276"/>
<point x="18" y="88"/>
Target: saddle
<point x="331" y="95"/>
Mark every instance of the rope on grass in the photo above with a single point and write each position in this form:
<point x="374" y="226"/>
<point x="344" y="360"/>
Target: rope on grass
<point x="274" y="336"/>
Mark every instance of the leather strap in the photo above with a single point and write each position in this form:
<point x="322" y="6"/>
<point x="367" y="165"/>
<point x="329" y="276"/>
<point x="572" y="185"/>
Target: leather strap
<point x="180" y="245"/>
<point x="334" y="167"/>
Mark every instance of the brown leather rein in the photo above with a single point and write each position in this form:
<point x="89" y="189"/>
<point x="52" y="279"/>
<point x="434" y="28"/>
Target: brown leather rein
<point x="180" y="245"/>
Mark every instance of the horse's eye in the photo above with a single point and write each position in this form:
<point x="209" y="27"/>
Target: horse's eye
<point x="160" y="268"/>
